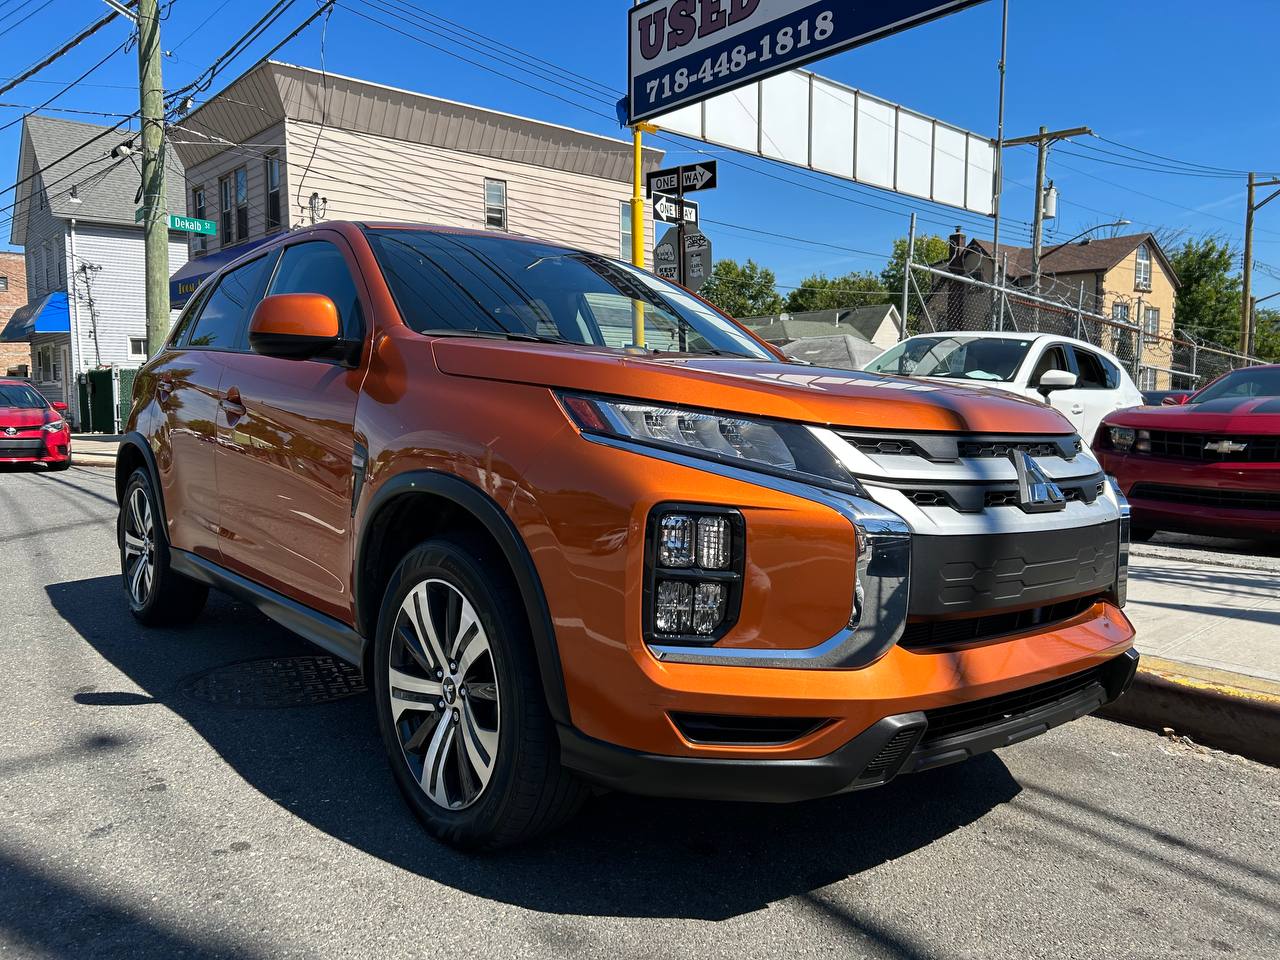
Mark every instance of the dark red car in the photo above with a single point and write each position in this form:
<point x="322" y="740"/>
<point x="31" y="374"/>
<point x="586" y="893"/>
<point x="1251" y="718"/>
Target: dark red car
<point x="1210" y="465"/>
<point x="32" y="430"/>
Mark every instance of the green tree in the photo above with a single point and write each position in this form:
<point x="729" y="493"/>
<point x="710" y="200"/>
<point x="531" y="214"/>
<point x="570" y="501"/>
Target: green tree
<point x="820" y="292"/>
<point x="1266" y="338"/>
<point x="742" y="290"/>
<point x="930" y="249"/>
<point x="1208" y="299"/>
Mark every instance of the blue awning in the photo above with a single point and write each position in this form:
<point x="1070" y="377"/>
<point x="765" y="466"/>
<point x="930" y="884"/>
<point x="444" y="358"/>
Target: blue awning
<point x="49" y="314"/>
<point x="193" y="273"/>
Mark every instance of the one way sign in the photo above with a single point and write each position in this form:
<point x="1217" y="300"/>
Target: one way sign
<point x="696" y="176"/>
<point x="667" y="209"/>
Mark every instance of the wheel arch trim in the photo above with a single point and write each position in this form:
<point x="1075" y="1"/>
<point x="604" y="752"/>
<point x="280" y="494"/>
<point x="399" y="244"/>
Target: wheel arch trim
<point x="138" y="442"/>
<point x="498" y="524"/>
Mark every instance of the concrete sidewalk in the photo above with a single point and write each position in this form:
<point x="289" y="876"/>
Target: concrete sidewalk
<point x="94" y="449"/>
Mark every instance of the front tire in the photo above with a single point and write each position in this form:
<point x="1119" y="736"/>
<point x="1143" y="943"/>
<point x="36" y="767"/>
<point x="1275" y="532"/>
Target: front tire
<point x="157" y="594"/>
<point x="1141" y="534"/>
<point x="460" y="707"/>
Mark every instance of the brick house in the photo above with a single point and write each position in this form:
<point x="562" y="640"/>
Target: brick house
<point x="15" y="356"/>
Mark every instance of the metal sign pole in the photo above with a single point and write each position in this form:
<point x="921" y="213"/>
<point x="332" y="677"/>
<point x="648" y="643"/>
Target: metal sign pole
<point x="680" y="251"/>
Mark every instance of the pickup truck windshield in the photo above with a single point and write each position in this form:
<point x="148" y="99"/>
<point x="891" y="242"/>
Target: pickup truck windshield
<point x="498" y="286"/>
<point x="953" y="358"/>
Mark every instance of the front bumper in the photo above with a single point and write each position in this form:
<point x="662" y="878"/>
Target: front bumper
<point x="902" y="743"/>
<point x="1166" y="510"/>
<point x="27" y="448"/>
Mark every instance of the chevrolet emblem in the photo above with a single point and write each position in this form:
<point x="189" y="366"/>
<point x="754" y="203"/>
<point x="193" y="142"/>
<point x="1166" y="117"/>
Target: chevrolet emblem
<point x="1225" y="446"/>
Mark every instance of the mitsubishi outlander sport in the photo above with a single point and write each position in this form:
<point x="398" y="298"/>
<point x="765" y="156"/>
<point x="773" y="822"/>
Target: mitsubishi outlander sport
<point x="567" y="555"/>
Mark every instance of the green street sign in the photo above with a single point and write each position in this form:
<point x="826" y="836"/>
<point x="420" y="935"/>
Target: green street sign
<point x="186" y="224"/>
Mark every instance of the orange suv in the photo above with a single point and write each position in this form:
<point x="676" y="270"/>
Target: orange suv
<point x="568" y="555"/>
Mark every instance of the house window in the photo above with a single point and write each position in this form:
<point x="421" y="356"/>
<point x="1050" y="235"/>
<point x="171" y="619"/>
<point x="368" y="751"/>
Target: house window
<point x="495" y="204"/>
<point x="624" y="231"/>
<point x="137" y="348"/>
<point x="4" y="284"/>
<point x="1142" y="277"/>
<point x="199" y="242"/>
<point x="1120" y="312"/>
<point x="233" y="200"/>
<point x="1151" y="322"/>
<point x="47" y="253"/>
<point x="271" y="174"/>
<point x="47" y="364"/>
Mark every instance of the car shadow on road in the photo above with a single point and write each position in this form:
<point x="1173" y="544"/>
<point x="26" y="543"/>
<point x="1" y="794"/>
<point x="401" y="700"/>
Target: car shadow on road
<point x="623" y="856"/>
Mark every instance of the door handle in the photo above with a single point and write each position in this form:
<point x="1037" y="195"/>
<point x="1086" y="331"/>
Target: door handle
<point x="164" y="387"/>
<point x="1077" y="408"/>
<point x="230" y="402"/>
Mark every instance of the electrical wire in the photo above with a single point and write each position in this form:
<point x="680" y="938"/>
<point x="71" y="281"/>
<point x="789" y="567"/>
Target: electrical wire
<point x="67" y="45"/>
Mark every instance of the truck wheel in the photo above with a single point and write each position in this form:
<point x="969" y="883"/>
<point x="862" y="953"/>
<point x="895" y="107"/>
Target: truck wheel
<point x="460" y="706"/>
<point x="157" y="594"/>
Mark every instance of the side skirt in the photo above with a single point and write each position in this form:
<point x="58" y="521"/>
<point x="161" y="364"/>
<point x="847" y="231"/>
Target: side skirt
<point x="325" y="632"/>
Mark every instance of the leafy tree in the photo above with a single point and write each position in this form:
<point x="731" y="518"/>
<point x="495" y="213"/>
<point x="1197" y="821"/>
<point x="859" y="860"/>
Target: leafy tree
<point x="820" y="292"/>
<point x="1208" y="301"/>
<point x="1266" y="337"/>
<point x="929" y="250"/>
<point x="742" y="290"/>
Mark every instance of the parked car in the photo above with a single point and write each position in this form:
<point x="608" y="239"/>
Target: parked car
<point x="688" y="568"/>
<point x="1164" y="398"/>
<point x="32" y="430"/>
<point x="1081" y="381"/>
<point x="1210" y="465"/>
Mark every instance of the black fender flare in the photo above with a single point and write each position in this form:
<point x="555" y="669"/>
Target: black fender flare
<point x="137" y="441"/>
<point x="499" y="526"/>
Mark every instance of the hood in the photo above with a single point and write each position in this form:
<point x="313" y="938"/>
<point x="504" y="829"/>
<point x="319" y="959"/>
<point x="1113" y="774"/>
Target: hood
<point x="23" y="416"/>
<point x="761" y="387"/>
<point x="1253" y="415"/>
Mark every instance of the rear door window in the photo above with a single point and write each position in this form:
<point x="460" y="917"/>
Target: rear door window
<point x="1096" y="373"/>
<point x="318" y="266"/>
<point x="1053" y="358"/>
<point x="224" y="321"/>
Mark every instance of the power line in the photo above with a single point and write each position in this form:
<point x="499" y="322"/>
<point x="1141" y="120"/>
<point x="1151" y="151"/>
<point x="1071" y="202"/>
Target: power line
<point x="83" y="34"/>
<point x="1189" y="163"/>
<point x="19" y="22"/>
<point x="73" y="83"/>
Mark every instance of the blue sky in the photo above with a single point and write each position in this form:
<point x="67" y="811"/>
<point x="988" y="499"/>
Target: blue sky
<point x="1173" y="78"/>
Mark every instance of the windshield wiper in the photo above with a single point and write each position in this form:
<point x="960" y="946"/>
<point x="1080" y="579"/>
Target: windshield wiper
<point x="496" y="335"/>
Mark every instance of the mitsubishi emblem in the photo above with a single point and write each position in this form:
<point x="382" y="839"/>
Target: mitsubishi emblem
<point x="1036" y="492"/>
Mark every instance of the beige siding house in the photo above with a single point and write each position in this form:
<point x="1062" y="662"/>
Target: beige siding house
<point x="285" y="146"/>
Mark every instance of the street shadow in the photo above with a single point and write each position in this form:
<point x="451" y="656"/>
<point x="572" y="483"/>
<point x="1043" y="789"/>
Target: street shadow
<point x="623" y="856"/>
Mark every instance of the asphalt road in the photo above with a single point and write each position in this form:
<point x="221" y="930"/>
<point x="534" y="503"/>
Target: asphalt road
<point x="138" y="819"/>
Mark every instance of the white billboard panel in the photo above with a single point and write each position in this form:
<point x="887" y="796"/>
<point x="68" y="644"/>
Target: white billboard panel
<point x="809" y="121"/>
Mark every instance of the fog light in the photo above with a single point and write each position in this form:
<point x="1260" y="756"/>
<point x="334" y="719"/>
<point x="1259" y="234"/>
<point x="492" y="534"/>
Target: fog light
<point x="673" y="608"/>
<point x="713" y="543"/>
<point x="675" y="541"/>
<point x="708" y="607"/>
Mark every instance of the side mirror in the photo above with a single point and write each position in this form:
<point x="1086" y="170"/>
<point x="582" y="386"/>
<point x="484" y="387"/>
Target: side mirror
<point x="1175" y="399"/>
<point x="59" y="406"/>
<point x="294" y="326"/>
<point x="1056" y="380"/>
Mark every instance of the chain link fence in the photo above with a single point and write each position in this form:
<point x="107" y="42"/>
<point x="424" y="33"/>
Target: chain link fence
<point x="940" y="301"/>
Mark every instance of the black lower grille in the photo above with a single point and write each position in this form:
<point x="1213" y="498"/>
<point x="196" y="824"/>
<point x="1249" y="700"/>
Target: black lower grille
<point x="963" y="718"/>
<point x="711" y="728"/>
<point x="1176" y="445"/>
<point x="1206" y="496"/>
<point x="20" y="448"/>
<point x="932" y="634"/>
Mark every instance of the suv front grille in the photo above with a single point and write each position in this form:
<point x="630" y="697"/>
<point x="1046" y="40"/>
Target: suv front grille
<point x="1177" y="445"/>
<point x="974" y="498"/>
<point x="934" y="634"/>
<point x="963" y="718"/>
<point x="949" y="447"/>
<point x="1206" y="496"/>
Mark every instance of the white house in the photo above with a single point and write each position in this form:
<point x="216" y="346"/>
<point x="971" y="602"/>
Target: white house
<point x="74" y="217"/>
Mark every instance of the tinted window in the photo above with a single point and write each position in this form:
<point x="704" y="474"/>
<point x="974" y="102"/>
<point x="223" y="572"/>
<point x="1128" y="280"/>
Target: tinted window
<point x="951" y="357"/>
<point x="1256" y="382"/>
<point x="189" y="313"/>
<point x="493" y="285"/>
<point x="1096" y="373"/>
<point x="1055" y="358"/>
<point x="21" y="396"/>
<point x="225" y="318"/>
<point x="319" y="267"/>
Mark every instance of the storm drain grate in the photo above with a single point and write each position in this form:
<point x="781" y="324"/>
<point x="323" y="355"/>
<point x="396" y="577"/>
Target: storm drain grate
<point x="277" y="682"/>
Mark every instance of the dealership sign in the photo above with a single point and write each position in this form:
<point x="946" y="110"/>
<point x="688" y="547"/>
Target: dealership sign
<point x="682" y="51"/>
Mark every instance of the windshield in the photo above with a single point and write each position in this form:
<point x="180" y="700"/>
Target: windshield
<point x="481" y="285"/>
<point x="21" y="396"/>
<point x="1242" y="384"/>
<point x="994" y="359"/>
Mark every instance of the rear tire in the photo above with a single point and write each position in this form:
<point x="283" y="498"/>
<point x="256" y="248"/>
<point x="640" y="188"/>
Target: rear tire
<point x="158" y="596"/>
<point x="471" y="743"/>
<point x="65" y="464"/>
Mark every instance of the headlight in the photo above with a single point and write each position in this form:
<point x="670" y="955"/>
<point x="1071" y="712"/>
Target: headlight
<point x="1122" y="438"/>
<point x="771" y="446"/>
<point x="54" y="426"/>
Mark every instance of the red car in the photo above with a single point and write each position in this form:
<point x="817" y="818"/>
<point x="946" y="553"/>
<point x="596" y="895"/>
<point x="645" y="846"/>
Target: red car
<point x="32" y="430"/>
<point x="1209" y="465"/>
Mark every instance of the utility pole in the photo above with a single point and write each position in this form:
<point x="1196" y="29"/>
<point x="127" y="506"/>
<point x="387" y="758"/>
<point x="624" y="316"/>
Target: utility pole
<point x="155" y="216"/>
<point x="1251" y="207"/>
<point x="637" y="222"/>
<point x="1043" y="140"/>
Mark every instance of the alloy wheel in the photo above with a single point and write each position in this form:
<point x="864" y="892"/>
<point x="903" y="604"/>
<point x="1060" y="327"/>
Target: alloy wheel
<point x="139" y="547"/>
<point x="443" y="689"/>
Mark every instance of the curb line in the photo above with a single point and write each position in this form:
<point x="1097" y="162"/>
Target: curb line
<point x="1219" y="709"/>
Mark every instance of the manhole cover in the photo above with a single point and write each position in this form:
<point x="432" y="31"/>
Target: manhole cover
<point x="277" y="682"/>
